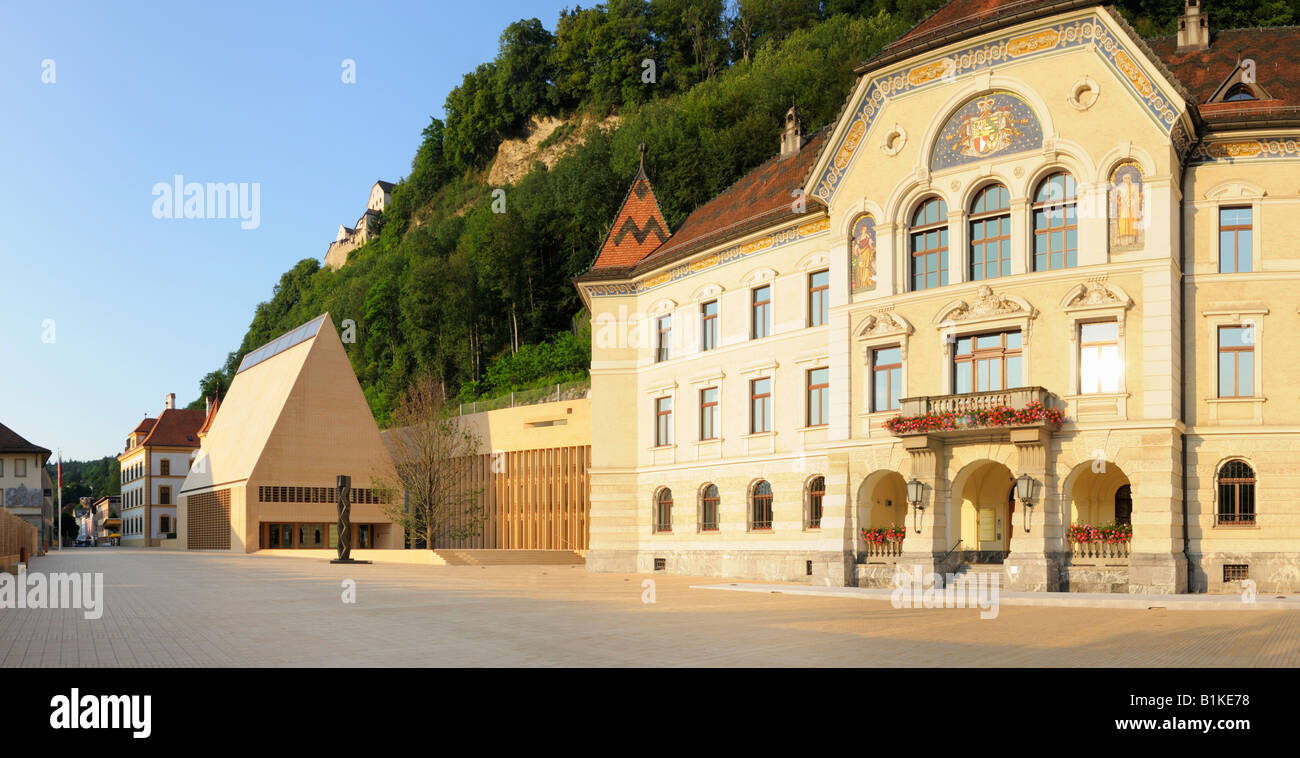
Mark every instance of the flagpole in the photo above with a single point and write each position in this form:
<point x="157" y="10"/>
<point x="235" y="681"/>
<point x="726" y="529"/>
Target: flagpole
<point x="58" y="517"/>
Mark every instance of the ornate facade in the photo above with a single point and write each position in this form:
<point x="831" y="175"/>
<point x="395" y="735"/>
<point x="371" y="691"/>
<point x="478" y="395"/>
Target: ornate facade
<point x="1041" y="249"/>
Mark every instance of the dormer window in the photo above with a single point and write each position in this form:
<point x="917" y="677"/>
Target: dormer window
<point x="1239" y="92"/>
<point x="1240" y="86"/>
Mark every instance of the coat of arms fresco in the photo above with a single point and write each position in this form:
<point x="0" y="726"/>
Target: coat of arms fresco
<point x="991" y="124"/>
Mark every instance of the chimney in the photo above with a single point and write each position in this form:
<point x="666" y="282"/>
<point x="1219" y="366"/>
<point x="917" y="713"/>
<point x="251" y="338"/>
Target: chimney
<point x="170" y="403"/>
<point x="792" y="136"/>
<point x="1193" y="28"/>
<point x="207" y="406"/>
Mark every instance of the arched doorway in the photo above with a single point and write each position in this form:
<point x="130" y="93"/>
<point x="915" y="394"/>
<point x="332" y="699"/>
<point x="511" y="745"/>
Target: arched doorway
<point x="984" y="492"/>
<point x="882" y="501"/>
<point x="1099" y="494"/>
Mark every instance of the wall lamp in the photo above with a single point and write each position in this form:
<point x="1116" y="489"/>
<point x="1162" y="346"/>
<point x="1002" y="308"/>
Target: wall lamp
<point x="1027" y="490"/>
<point x="915" y="491"/>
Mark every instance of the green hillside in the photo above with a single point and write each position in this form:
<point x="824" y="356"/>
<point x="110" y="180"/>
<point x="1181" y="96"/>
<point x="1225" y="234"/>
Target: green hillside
<point x="484" y="300"/>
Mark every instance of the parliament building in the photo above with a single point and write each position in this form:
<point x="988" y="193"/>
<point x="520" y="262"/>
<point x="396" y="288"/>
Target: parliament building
<point x="1012" y="311"/>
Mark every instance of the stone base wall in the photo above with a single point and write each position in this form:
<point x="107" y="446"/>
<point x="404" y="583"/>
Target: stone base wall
<point x="877" y="575"/>
<point x="1157" y="573"/>
<point x="1094" y="578"/>
<point x="1277" y="573"/>
<point x="828" y="568"/>
<point x="611" y="561"/>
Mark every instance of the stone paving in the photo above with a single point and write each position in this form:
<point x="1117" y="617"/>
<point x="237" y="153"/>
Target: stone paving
<point x="164" y="608"/>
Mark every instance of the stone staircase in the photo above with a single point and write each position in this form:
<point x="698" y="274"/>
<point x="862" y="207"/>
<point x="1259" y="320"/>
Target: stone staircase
<point x="967" y="571"/>
<point x="511" y="557"/>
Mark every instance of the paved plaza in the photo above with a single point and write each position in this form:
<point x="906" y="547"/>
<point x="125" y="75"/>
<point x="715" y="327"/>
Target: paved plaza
<point x="165" y="608"/>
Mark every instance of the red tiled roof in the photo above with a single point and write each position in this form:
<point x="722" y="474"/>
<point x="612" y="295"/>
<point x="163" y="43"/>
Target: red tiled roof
<point x="639" y="227"/>
<point x="211" y="415"/>
<point x="760" y="198"/>
<point x="965" y="18"/>
<point x="1275" y="51"/>
<point x="176" y="427"/>
<point x="144" y="426"/>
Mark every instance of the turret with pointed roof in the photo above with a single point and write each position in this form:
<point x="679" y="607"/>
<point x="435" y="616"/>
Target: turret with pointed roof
<point x="639" y="228"/>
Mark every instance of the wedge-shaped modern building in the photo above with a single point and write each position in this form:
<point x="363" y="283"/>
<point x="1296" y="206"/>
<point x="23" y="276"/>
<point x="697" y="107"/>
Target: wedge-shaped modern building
<point x="1023" y="209"/>
<point x="293" y="419"/>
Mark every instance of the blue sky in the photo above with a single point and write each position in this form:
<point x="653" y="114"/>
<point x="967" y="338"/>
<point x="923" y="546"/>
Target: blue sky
<point x="228" y="92"/>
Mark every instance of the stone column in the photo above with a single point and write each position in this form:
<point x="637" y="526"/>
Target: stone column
<point x="927" y="527"/>
<point x="1035" y="561"/>
<point x="1157" y="563"/>
<point x="838" y="524"/>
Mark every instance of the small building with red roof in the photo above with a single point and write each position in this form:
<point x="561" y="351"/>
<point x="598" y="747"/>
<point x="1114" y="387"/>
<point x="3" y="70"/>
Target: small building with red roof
<point x="154" y="463"/>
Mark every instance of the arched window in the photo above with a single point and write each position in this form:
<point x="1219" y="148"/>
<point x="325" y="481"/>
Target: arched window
<point x="1056" y="223"/>
<point x="1236" y="494"/>
<point x="761" y="505"/>
<point x="664" y="510"/>
<point x="709" y="501"/>
<point x="990" y="233"/>
<point x="816" y="492"/>
<point x="1239" y="92"/>
<point x="929" y="245"/>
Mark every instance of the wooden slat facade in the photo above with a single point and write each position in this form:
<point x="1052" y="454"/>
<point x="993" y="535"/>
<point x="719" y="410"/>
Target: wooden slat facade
<point x="532" y="500"/>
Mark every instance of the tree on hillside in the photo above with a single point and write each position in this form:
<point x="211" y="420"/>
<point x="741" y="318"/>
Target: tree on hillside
<point x="525" y="70"/>
<point x="431" y="453"/>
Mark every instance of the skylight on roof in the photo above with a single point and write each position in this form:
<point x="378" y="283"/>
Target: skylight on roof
<point x="281" y="343"/>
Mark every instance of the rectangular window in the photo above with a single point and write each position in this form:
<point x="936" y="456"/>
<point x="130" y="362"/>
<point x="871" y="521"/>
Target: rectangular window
<point x="990" y="247"/>
<point x="709" y="413"/>
<point x="664" y="340"/>
<point x="987" y="362"/>
<point x="165" y="467"/>
<point x="886" y="379"/>
<point x="311" y="535"/>
<point x="164" y="495"/>
<point x="365" y="536"/>
<point x="819" y="397"/>
<point x="709" y="325"/>
<point x="20" y="467"/>
<point x="1236" y="361"/>
<point x="663" y="421"/>
<point x="1235" y="244"/>
<point x="1056" y="223"/>
<point x="819" y="302"/>
<point x="762" y="311"/>
<point x="760" y="405"/>
<point x="1100" y="367"/>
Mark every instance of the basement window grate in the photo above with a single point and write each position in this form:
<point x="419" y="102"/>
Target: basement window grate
<point x="1236" y="572"/>
<point x="661" y="564"/>
<point x="809" y="568"/>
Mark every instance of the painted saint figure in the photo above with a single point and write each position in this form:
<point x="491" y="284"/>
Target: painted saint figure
<point x="1126" y="197"/>
<point x="862" y="254"/>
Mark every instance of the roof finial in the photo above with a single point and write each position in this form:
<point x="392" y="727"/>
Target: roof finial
<point x="642" y="149"/>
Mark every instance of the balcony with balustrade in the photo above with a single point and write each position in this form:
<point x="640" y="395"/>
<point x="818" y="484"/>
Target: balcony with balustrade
<point x="975" y="413"/>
